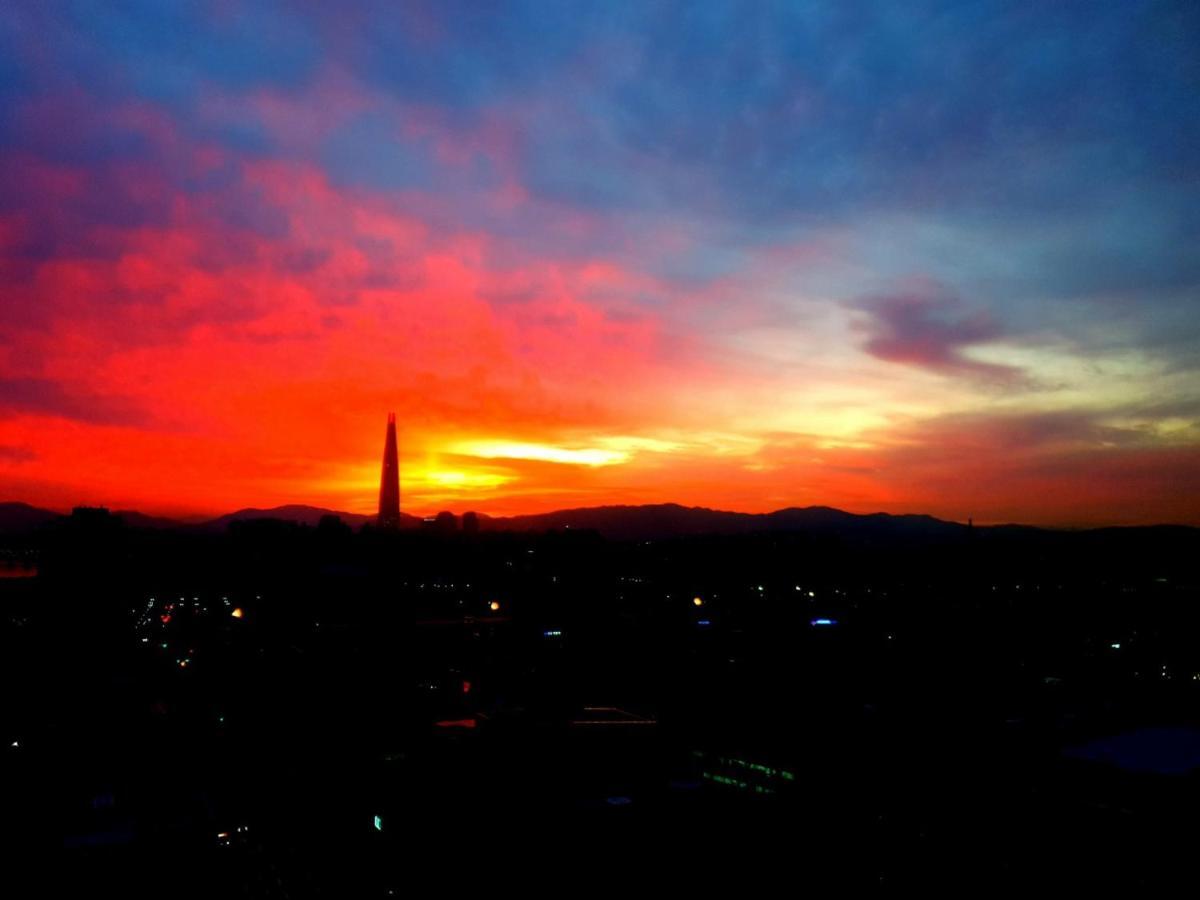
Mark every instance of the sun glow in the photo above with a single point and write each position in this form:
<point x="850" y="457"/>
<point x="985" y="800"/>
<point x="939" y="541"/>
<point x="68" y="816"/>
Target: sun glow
<point x="588" y="456"/>
<point x="460" y="480"/>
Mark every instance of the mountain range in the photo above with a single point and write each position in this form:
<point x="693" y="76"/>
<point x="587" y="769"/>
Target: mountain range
<point x="646" y="522"/>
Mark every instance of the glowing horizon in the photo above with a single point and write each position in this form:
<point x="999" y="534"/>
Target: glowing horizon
<point x="742" y="259"/>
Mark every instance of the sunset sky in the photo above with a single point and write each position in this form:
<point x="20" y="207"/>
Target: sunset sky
<point x="898" y="256"/>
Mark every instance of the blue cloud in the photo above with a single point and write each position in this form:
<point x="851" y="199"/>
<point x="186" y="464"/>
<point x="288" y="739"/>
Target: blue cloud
<point x="370" y="152"/>
<point x="1064" y="139"/>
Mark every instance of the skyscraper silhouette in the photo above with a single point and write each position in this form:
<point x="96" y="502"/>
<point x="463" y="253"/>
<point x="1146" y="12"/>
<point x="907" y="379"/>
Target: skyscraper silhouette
<point x="389" y="484"/>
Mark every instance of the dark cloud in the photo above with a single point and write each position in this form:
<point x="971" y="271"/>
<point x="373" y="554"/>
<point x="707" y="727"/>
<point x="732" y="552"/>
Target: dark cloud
<point x="40" y="396"/>
<point x="1024" y="435"/>
<point x="930" y="328"/>
<point x="13" y="454"/>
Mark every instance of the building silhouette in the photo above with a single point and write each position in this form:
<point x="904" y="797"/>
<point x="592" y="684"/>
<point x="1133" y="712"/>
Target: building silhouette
<point x="389" y="483"/>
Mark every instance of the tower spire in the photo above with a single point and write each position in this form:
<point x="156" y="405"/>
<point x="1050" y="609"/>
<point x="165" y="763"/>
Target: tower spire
<point x="389" y="482"/>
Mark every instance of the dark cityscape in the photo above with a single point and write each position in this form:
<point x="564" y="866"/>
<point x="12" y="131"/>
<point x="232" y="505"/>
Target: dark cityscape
<point x="283" y="705"/>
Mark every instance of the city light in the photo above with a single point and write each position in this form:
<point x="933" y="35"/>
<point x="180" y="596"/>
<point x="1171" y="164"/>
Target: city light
<point x="697" y="601"/>
<point x="494" y="605"/>
<point x="379" y="823"/>
<point x="237" y="612"/>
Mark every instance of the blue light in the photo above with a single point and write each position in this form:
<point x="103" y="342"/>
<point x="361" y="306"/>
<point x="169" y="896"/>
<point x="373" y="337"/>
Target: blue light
<point x="552" y="633"/>
<point x="822" y="622"/>
<point x="379" y="823"/>
<point x="618" y="801"/>
<point x="704" y="622"/>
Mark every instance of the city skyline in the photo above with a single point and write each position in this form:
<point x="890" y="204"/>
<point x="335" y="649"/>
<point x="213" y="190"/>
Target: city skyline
<point x="932" y="259"/>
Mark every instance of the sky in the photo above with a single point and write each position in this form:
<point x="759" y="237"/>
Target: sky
<point x="917" y="257"/>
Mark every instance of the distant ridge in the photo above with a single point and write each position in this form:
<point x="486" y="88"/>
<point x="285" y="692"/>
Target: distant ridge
<point x="19" y="518"/>
<point x="645" y="522"/>
<point x="663" y="520"/>
<point x="304" y="515"/>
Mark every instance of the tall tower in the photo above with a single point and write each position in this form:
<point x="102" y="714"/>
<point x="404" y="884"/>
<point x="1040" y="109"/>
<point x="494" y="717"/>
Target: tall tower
<point x="389" y="483"/>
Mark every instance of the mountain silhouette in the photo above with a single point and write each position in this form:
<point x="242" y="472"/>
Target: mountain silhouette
<point x="304" y="515"/>
<point x="640" y="523"/>
<point x="19" y="518"/>
<point x="657" y="521"/>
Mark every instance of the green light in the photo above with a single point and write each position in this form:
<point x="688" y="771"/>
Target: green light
<point x="378" y="823"/>
<point x="736" y="779"/>
<point x="733" y="782"/>
<point x="725" y="779"/>
<point x="757" y="767"/>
